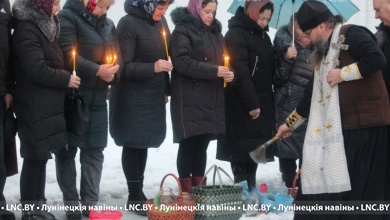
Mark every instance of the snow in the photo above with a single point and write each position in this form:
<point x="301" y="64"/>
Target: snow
<point x="161" y="161"/>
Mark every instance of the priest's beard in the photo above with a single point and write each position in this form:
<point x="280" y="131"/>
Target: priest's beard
<point x="320" y="50"/>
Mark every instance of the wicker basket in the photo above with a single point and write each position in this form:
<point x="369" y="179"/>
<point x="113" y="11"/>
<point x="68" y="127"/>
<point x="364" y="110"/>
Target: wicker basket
<point x="182" y="210"/>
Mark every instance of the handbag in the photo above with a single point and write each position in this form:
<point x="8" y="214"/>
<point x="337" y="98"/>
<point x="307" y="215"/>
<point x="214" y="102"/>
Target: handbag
<point x="76" y="113"/>
<point x="223" y="202"/>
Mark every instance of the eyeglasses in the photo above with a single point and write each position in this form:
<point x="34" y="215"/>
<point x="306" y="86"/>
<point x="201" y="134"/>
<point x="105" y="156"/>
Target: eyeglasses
<point x="307" y="33"/>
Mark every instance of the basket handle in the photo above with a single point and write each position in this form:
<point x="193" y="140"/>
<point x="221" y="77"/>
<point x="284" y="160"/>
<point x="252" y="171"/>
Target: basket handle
<point x="178" y="183"/>
<point x="217" y="170"/>
<point x="294" y="186"/>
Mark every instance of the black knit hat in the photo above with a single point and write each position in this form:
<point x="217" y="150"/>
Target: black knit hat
<point x="311" y="14"/>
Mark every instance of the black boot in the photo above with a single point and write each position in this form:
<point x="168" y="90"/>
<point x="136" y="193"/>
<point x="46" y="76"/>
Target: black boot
<point x="7" y="215"/>
<point x="141" y="182"/>
<point x="239" y="178"/>
<point x="41" y="213"/>
<point x="135" y="197"/>
<point x="29" y="215"/>
<point x="73" y="215"/>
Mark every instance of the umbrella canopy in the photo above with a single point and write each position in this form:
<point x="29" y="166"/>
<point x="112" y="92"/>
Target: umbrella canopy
<point x="283" y="9"/>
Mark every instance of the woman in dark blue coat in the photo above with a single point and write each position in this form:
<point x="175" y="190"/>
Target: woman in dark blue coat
<point x="39" y="96"/>
<point x="293" y="73"/>
<point x="86" y="30"/>
<point x="137" y="102"/>
<point x="197" y="107"/>
<point x="248" y="102"/>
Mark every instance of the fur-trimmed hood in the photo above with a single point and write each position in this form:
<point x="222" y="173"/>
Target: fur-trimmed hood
<point x="180" y="15"/>
<point x="283" y="38"/>
<point x="25" y="10"/>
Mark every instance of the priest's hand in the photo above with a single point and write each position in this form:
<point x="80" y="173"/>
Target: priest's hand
<point x="283" y="132"/>
<point x="334" y="77"/>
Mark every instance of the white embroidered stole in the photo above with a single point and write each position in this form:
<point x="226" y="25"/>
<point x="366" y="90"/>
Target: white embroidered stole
<point x="324" y="164"/>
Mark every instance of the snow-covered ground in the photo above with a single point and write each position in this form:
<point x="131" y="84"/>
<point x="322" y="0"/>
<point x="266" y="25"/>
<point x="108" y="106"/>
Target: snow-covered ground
<point x="113" y="188"/>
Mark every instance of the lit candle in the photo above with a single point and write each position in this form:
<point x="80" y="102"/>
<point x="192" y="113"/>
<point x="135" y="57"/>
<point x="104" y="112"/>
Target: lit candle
<point x="74" y="61"/>
<point x="226" y="64"/>
<point x="113" y="62"/>
<point x="166" y="45"/>
<point x="226" y="61"/>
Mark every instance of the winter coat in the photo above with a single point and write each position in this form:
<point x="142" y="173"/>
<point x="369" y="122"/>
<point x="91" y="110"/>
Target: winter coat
<point x="290" y="80"/>
<point x="40" y="82"/>
<point x="197" y="105"/>
<point x="383" y="38"/>
<point x="137" y="100"/>
<point x="94" y="39"/>
<point x="5" y="33"/>
<point x="252" y="57"/>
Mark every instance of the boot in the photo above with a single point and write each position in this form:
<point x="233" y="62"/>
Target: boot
<point x="7" y="215"/>
<point x="239" y="178"/>
<point x="186" y="184"/>
<point x="251" y="178"/>
<point x="196" y="180"/>
<point x="73" y="215"/>
<point x="135" y="197"/>
<point x="141" y="181"/>
<point x="29" y="215"/>
<point x="41" y="213"/>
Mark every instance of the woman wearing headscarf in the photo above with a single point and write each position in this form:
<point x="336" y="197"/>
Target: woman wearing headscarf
<point x="41" y="82"/>
<point x="197" y="106"/>
<point x="248" y="102"/>
<point x="86" y="30"/>
<point x="137" y="101"/>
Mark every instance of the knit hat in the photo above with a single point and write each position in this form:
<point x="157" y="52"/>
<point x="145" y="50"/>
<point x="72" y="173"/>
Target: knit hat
<point x="45" y="5"/>
<point x="149" y="6"/>
<point x="311" y="14"/>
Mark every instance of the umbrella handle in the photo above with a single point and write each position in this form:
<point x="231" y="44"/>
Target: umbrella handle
<point x="293" y="25"/>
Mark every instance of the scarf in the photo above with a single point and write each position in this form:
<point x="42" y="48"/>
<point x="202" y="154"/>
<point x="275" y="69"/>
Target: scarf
<point x="149" y="6"/>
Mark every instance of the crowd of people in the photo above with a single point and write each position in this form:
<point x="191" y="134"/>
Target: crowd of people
<point x="322" y="87"/>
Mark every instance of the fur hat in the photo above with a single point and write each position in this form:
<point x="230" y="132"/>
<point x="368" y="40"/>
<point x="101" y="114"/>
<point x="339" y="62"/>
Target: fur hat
<point x="45" y="5"/>
<point x="311" y="14"/>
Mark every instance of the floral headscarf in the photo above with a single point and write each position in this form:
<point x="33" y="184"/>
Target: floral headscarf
<point x="91" y="5"/>
<point x="147" y="5"/>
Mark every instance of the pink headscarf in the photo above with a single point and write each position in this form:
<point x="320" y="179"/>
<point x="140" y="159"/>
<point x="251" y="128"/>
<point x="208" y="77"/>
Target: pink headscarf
<point x="252" y="8"/>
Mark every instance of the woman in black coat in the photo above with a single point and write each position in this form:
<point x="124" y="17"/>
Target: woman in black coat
<point x="248" y="102"/>
<point x="86" y="30"/>
<point x="137" y="102"/>
<point x="197" y="106"/>
<point x="39" y="95"/>
<point x="5" y="103"/>
<point x="293" y="73"/>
